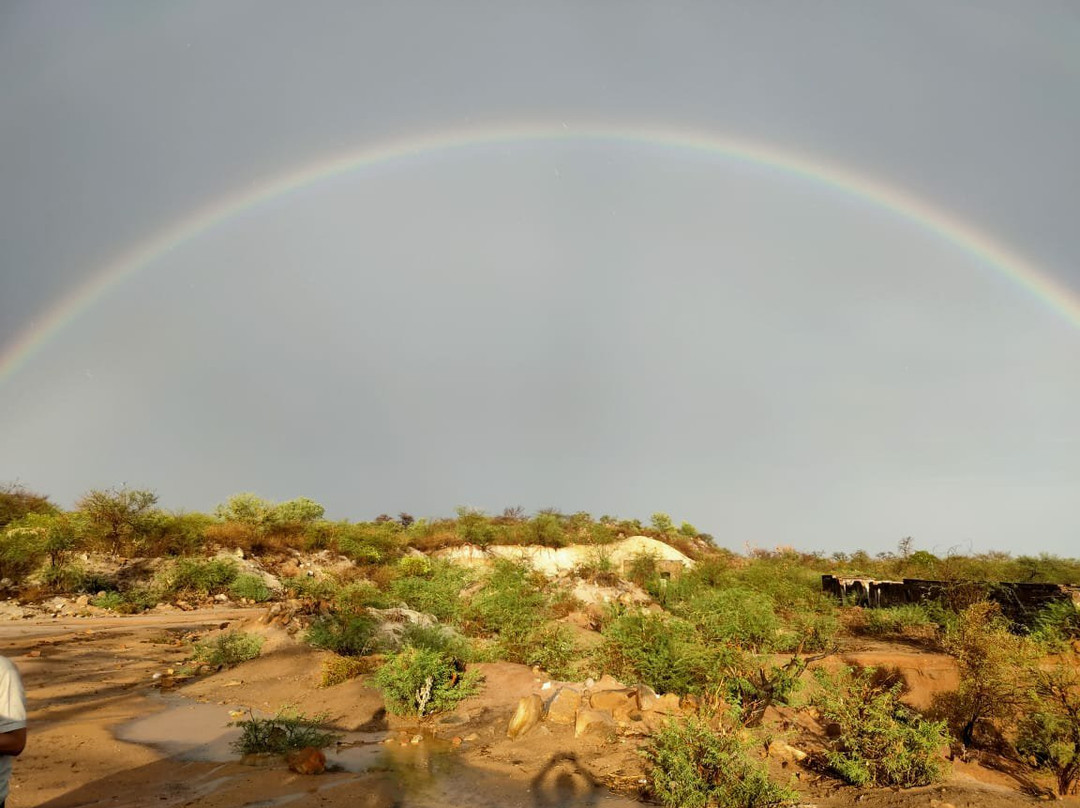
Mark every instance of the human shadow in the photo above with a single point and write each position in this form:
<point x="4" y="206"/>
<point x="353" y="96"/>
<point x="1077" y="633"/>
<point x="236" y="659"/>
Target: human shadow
<point x="564" y="781"/>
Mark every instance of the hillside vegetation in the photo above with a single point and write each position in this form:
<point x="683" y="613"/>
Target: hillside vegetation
<point x="730" y="636"/>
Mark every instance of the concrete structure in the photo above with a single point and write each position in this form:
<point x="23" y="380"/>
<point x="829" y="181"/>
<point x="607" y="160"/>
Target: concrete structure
<point x="1019" y="601"/>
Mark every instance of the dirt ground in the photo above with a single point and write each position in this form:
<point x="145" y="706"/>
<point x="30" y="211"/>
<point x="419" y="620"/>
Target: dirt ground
<point x="105" y="732"/>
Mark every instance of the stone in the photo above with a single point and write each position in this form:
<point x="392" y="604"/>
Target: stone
<point x="308" y="760"/>
<point x="564" y="706"/>
<point x="82" y="600"/>
<point x="611" y="700"/>
<point x="689" y="703"/>
<point x="529" y="712"/>
<point x="782" y="750"/>
<point x="593" y="722"/>
<point x="646" y="697"/>
<point x="667" y="704"/>
<point x="607" y="682"/>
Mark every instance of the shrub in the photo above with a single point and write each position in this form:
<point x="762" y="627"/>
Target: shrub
<point x="356" y="597"/>
<point x="737" y="616"/>
<point x="113" y="601"/>
<point x="337" y="669"/>
<point x="370" y="542"/>
<point x="348" y="635"/>
<point x="991" y="662"/>
<point x="249" y="586"/>
<point x="200" y="577"/>
<point x="281" y="734"/>
<point x="694" y="766"/>
<point x="1056" y="625"/>
<point x="1049" y="734"/>
<point x="306" y="588"/>
<point x="415" y="567"/>
<point x="661" y="652"/>
<point x="438" y="592"/>
<point x="16" y="502"/>
<point x="228" y="649"/>
<point x="909" y="620"/>
<point x="419" y="681"/>
<point x="882" y="742"/>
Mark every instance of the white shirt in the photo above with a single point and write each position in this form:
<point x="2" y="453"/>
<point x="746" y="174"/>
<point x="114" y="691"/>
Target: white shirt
<point x="12" y="714"/>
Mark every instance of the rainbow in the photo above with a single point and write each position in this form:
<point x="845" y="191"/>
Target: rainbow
<point x="993" y="254"/>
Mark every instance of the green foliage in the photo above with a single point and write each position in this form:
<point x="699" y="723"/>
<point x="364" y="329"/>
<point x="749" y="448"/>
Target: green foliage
<point x="337" y="669"/>
<point x="348" y="635"/>
<point x="911" y="620"/>
<point x="21" y="550"/>
<point x="437" y="592"/>
<point x="300" y="511"/>
<point x="247" y="509"/>
<point x="370" y="542"/>
<point x="250" y="586"/>
<point x="17" y="502"/>
<point x="735" y="616"/>
<point x="283" y="733"/>
<point x="991" y="661"/>
<point x="694" y="766"/>
<point x="662" y="652"/>
<point x="882" y="742"/>
<point x="203" y="577"/>
<point x="473" y="527"/>
<point x="113" y="601"/>
<point x="1049" y="734"/>
<point x="421" y="681"/>
<point x="68" y="577"/>
<point x="515" y="606"/>
<point x="301" y="586"/>
<point x="228" y="649"/>
<point x="753" y="688"/>
<point x="119" y="519"/>
<point x="1056" y="625"/>
<point x="662" y="524"/>
<point x="357" y="597"/>
<point x="415" y="567"/>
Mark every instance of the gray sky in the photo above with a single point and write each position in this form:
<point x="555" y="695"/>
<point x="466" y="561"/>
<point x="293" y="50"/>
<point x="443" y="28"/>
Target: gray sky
<point x="592" y="326"/>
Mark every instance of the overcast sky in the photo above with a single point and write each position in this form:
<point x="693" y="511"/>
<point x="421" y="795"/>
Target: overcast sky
<point x="588" y="325"/>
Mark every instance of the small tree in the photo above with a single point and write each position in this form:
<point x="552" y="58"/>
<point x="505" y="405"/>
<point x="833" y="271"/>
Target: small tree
<point x="662" y="524"/>
<point x="991" y="660"/>
<point x="16" y="502"/>
<point x="118" y="518"/>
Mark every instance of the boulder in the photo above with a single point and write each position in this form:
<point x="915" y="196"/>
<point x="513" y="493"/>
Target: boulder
<point x="646" y="697"/>
<point x="308" y="760"/>
<point x="593" y="722"/>
<point x="529" y="711"/>
<point x="564" y="706"/>
<point x="667" y="704"/>
<point x="784" y="751"/>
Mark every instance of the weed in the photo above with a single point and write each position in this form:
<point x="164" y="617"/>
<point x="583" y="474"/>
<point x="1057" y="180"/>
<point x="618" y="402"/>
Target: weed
<point x="281" y="734"/>
<point x="694" y="766"/>
<point x="882" y="742"/>
<point x="337" y="669"/>
<point x="348" y="635"/>
<point x="200" y="577"/>
<point x="228" y="650"/>
<point x="113" y="601"/>
<point x="419" y="681"/>
<point x="251" y="587"/>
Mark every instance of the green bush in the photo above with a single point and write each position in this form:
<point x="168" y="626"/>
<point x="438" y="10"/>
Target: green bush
<point x="1049" y="734"/>
<point x="662" y="652"/>
<point x="113" y="601"/>
<point x="200" y="577"/>
<point x="281" y="734"/>
<point x="228" y="649"/>
<point x="301" y="586"/>
<point x="436" y="592"/>
<point x="694" y="766"/>
<point x="911" y="619"/>
<point x="736" y="616"/>
<point x="359" y="596"/>
<point x="882" y="742"/>
<point x="371" y="542"/>
<point x="420" y="682"/>
<point x="415" y="567"/>
<point x="348" y="635"/>
<point x="1056" y="625"/>
<point x="337" y="669"/>
<point x="249" y="586"/>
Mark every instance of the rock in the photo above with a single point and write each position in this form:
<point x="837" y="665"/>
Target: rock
<point x="593" y="722"/>
<point x="308" y="760"/>
<point x="622" y="704"/>
<point x="529" y="711"/>
<point x="608" y="683"/>
<point x="221" y="597"/>
<point x="416" y="740"/>
<point x="646" y="697"/>
<point x="472" y="736"/>
<point x="455" y="741"/>
<point x="82" y="600"/>
<point x="667" y="704"/>
<point x="940" y="804"/>
<point x="689" y="703"/>
<point x="564" y="706"/>
<point x="784" y="751"/>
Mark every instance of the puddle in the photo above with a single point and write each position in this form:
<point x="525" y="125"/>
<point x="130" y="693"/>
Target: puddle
<point x="423" y="775"/>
